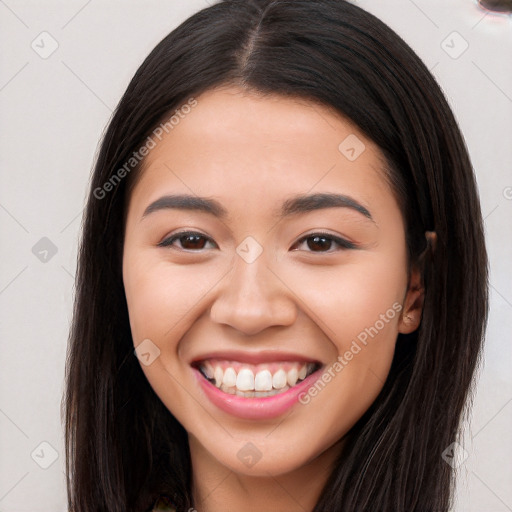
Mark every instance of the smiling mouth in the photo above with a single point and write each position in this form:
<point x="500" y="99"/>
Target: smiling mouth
<point x="255" y="381"/>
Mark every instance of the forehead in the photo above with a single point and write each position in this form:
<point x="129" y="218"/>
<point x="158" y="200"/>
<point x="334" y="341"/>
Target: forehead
<point x="251" y="148"/>
<point x="241" y="117"/>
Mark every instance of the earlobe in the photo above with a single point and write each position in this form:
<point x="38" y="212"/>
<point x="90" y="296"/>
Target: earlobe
<point x="413" y="304"/>
<point x="414" y="299"/>
<point x="431" y="237"/>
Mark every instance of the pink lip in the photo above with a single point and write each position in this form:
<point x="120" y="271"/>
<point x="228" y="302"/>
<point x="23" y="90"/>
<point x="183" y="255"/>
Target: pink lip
<point x="254" y="408"/>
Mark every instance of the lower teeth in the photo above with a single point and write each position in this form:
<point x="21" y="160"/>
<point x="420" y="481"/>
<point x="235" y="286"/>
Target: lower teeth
<point x="253" y="394"/>
<point x="250" y="394"/>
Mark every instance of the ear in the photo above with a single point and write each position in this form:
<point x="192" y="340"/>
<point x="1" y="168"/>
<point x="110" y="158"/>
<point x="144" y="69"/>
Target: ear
<point x="413" y="303"/>
<point x="415" y="296"/>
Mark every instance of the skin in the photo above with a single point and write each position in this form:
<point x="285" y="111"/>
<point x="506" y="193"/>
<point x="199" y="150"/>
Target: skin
<point x="251" y="153"/>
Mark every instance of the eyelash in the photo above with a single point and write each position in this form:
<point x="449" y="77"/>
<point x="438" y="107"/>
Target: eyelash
<point x="342" y="243"/>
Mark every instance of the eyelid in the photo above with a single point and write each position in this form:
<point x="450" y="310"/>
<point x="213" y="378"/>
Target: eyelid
<point x="169" y="240"/>
<point x="342" y="243"/>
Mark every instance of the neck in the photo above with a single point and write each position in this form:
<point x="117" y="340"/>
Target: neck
<point x="217" y="488"/>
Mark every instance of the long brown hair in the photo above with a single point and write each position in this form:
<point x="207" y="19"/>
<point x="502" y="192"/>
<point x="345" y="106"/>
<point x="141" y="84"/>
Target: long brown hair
<point x="123" y="447"/>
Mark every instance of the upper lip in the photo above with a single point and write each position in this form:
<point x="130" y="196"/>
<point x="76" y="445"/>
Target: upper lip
<point x="267" y="356"/>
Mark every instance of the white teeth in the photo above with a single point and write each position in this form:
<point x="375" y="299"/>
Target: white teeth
<point x="245" y="380"/>
<point x="217" y="375"/>
<point x="231" y="391"/>
<point x="208" y="370"/>
<point x="263" y="381"/>
<point x="246" y="394"/>
<point x="279" y="379"/>
<point x="292" y="377"/>
<point x="229" y="379"/>
<point x="245" y="383"/>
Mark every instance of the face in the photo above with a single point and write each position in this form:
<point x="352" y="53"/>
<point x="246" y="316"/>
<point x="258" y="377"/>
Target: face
<point x="268" y="297"/>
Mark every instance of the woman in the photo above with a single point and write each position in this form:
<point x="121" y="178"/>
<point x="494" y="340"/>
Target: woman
<point x="282" y="281"/>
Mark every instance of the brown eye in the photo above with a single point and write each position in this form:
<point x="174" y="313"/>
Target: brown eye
<point x="319" y="243"/>
<point x="322" y="242"/>
<point x="189" y="241"/>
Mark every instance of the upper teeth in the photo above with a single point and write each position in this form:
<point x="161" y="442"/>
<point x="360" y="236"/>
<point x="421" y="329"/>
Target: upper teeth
<point x="245" y="379"/>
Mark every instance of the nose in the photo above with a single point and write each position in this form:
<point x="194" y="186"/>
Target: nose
<point x="253" y="297"/>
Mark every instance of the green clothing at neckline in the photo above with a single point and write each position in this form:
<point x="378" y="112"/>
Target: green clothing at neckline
<point x="163" y="504"/>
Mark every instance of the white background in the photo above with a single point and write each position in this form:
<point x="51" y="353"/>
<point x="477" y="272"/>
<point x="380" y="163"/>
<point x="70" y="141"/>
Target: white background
<point x="53" y="113"/>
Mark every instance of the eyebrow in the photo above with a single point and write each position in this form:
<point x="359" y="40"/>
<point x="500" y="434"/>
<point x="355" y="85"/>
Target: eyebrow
<point x="295" y="205"/>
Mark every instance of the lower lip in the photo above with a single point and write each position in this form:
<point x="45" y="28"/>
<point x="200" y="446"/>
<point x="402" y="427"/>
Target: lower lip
<point x="255" y="408"/>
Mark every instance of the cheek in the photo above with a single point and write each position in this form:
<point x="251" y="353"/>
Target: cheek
<point x="357" y="305"/>
<point x="347" y="298"/>
<point x="358" y="308"/>
<point x="162" y="297"/>
<point x="150" y="296"/>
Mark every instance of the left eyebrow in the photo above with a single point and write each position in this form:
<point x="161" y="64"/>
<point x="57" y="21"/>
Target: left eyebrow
<point x="187" y="202"/>
<point x="307" y="203"/>
<point x="293" y="206"/>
